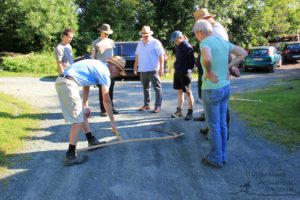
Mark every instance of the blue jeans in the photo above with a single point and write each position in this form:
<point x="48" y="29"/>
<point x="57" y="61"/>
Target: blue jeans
<point x="215" y="102"/>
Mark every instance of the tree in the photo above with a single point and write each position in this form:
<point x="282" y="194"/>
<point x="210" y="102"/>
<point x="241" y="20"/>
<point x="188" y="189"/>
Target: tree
<point x="36" y="26"/>
<point x="121" y="15"/>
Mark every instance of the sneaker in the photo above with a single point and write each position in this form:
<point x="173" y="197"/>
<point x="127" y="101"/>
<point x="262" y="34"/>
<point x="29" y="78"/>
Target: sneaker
<point x="189" y="115"/>
<point x="115" y="112"/>
<point x="103" y="114"/>
<point x="205" y="161"/>
<point x="94" y="142"/>
<point x="75" y="159"/>
<point x="200" y="118"/>
<point x="144" y="108"/>
<point x="156" y="110"/>
<point x="177" y="114"/>
<point x="204" y="131"/>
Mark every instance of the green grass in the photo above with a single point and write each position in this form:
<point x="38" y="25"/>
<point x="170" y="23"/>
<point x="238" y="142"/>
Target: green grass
<point x="277" y="116"/>
<point x="17" y="120"/>
<point x="22" y="74"/>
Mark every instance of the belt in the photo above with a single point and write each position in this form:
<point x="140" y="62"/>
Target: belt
<point x="67" y="77"/>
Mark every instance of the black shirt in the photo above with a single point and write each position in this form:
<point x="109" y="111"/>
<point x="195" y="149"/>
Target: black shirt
<point x="184" y="57"/>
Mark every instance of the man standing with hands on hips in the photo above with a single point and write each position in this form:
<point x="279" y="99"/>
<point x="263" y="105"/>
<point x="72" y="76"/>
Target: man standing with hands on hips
<point x="149" y="61"/>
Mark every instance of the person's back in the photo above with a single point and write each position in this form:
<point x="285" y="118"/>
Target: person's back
<point x="89" y="72"/>
<point x="219" y="53"/>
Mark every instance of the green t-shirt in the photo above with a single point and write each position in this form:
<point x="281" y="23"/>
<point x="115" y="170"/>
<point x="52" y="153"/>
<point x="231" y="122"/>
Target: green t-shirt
<point x="220" y="50"/>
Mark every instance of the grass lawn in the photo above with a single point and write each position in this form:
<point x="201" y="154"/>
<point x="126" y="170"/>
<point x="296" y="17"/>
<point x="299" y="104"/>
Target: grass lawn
<point x="277" y="116"/>
<point x="21" y="74"/>
<point x="17" y="120"/>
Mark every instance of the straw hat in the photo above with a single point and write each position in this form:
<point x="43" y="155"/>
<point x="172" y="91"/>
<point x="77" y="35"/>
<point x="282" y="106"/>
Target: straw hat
<point x="201" y="14"/>
<point x="118" y="62"/>
<point x="105" y="28"/>
<point x="146" y="31"/>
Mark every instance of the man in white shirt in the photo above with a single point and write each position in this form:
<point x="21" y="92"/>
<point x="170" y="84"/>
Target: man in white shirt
<point x="149" y="61"/>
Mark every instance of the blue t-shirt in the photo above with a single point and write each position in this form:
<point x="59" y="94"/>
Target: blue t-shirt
<point x="220" y="50"/>
<point x="89" y="72"/>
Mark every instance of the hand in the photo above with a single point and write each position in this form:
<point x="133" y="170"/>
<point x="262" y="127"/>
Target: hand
<point x="87" y="112"/>
<point x="135" y="70"/>
<point x="116" y="132"/>
<point x="161" y="73"/>
<point x="212" y="77"/>
<point x="234" y="71"/>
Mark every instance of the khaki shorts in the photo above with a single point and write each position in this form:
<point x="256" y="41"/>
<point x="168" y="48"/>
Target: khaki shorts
<point x="69" y="97"/>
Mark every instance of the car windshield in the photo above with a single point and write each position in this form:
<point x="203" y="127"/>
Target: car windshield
<point x="293" y="46"/>
<point x="258" y="52"/>
<point x="125" y="49"/>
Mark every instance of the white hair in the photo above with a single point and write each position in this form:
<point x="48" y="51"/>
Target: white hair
<point x="203" y="26"/>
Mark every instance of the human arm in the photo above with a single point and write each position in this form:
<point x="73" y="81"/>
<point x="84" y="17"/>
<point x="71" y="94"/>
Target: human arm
<point x="161" y="64"/>
<point x="191" y="58"/>
<point x="108" y="105"/>
<point x="60" y="67"/>
<point x="135" y="66"/>
<point x="240" y="55"/>
<point x="206" y="58"/>
<point x="85" y="94"/>
<point x="93" y="53"/>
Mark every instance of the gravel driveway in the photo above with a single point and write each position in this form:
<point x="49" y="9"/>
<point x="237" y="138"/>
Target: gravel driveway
<point x="164" y="170"/>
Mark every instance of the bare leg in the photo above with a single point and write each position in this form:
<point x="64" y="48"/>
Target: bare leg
<point x="190" y="99"/>
<point x="74" y="133"/>
<point x="180" y="98"/>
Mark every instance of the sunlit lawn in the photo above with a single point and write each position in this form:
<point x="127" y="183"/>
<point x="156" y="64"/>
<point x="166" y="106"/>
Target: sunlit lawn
<point x="17" y="120"/>
<point x="277" y="116"/>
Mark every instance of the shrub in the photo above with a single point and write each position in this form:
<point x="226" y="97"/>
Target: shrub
<point x="34" y="63"/>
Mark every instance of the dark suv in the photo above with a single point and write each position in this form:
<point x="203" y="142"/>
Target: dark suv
<point x="127" y="51"/>
<point x="123" y="49"/>
<point x="290" y="51"/>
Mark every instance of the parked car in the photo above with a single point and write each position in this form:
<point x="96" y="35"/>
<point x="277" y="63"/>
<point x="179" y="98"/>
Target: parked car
<point x="127" y="51"/>
<point x="290" y="51"/>
<point x="123" y="49"/>
<point x="262" y="57"/>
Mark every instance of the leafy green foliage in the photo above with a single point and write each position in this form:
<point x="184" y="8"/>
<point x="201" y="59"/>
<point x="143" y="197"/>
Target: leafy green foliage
<point x="34" y="63"/>
<point x="28" y="25"/>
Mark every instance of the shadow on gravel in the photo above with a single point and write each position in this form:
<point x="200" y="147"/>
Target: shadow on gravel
<point x="167" y="169"/>
<point x="41" y="116"/>
<point x="48" y="78"/>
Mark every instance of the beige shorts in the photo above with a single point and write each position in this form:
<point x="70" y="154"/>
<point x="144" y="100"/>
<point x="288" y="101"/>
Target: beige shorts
<point x="69" y="97"/>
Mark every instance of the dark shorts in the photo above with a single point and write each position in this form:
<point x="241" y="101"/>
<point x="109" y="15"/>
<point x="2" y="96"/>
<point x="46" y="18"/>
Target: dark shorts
<point x="182" y="81"/>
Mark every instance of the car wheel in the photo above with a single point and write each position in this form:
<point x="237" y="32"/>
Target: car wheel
<point x="285" y="61"/>
<point x="271" y="70"/>
<point x="246" y="69"/>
